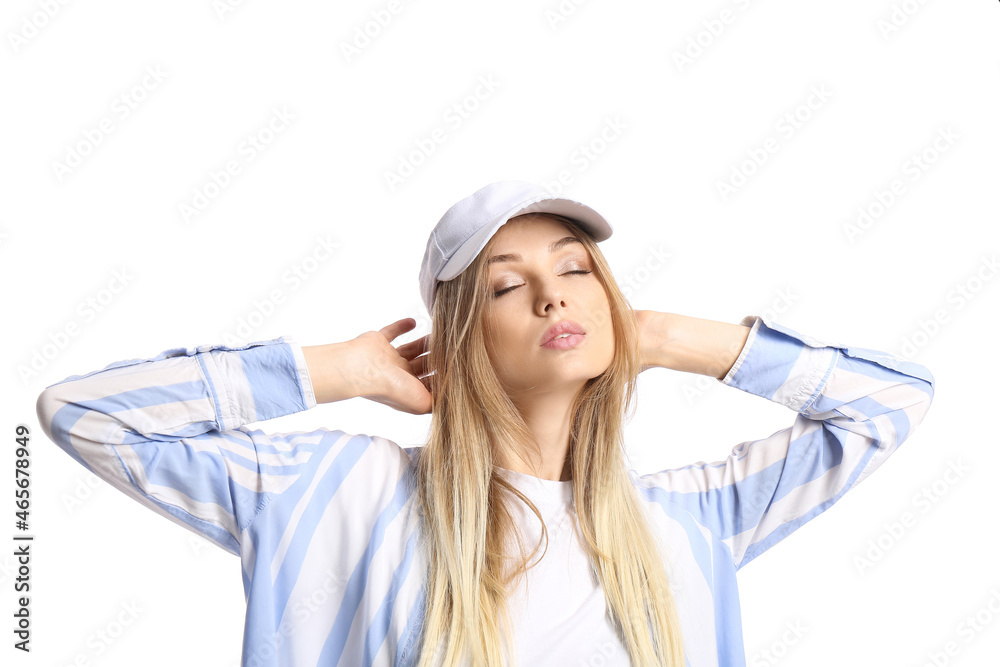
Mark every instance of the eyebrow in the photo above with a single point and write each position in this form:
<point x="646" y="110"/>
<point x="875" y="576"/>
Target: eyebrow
<point x="514" y="257"/>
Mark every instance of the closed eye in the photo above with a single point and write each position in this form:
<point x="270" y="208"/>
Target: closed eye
<point x="513" y="287"/>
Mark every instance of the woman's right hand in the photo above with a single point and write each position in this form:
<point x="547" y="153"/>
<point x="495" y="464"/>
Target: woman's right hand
<point x="369" y="366"/>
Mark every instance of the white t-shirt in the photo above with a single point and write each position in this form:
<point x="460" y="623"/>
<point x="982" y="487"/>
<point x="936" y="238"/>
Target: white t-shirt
<point x="558" y="611"/>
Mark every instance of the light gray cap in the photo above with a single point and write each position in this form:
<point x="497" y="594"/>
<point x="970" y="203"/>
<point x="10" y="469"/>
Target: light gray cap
<point x="466" y="227"/>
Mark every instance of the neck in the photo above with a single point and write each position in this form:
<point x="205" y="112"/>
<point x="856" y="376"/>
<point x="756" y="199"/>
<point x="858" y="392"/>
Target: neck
<point x="548" y="417"/>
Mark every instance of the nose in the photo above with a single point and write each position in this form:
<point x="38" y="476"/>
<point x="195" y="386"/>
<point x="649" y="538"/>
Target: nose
<point x="549" y="294"/>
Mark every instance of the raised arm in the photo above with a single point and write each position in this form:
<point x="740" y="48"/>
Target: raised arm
<point x="169" y="431"/>
<point x="855" y="407"/>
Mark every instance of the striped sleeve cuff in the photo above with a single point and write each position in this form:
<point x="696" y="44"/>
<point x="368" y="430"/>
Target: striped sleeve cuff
<point x="262" y="380"/>
<point x="781" y="365"/>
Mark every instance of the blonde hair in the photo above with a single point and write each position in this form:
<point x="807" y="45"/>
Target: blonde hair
<point x="468" y="528"/>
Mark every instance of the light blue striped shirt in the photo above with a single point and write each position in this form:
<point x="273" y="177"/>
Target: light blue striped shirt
<point x="324" y="521"/>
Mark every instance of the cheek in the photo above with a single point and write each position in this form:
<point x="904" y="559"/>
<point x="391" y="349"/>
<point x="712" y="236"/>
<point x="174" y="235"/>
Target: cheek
<point x="600" y="311"/>
<point x="505" y="334"/>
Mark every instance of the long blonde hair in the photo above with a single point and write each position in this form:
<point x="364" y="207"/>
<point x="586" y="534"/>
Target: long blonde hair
<point x="467" y="527"/>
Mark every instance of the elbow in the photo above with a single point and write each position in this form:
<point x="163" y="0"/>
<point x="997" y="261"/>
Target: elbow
<point x="46" y="407"/>
<point x="923" y="396"/>
<point x="920" y="384"/>
<point x="927" y="390"/>
<point x="926" y="383"/>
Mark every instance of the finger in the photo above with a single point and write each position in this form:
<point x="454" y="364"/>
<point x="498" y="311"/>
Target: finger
<point x="419" y="365"/>
<point x="394" y="330"/>
<point x="427" y="384"/>
<point x="414" y="347"/>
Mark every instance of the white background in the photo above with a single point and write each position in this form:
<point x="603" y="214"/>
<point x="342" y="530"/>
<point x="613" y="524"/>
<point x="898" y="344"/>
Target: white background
<point x="777" y="242"/>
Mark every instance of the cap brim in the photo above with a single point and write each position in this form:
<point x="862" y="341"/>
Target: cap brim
<point x="589" y="219"/>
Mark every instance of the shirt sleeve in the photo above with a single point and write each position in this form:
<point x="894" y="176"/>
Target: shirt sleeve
<point x="855" y="407"/>
<point x="169" y="431"/>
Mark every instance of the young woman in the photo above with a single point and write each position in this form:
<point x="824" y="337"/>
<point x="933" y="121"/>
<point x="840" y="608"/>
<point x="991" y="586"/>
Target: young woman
<point x="516" y="535"/>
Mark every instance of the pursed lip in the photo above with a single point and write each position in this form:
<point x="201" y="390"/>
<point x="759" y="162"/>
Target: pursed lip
<point x="560" y="328"/>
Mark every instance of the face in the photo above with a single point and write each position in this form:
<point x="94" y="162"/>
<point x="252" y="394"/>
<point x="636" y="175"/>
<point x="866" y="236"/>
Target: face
<point x="535" y="290"/>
